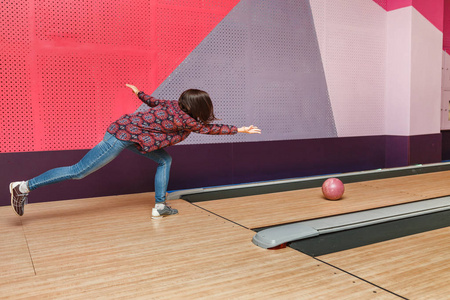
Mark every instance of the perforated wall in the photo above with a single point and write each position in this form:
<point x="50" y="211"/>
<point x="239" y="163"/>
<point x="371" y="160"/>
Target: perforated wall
<point x="261" y="65"/>
<point x="16" y="116"/>
<point x="174" y="42"/>
<point x="259" y="60"/>
<point x="64" y="63"/>
<point x="352" y="39"/>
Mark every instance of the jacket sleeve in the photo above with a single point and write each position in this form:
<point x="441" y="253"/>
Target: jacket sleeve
<point x="149" y="100"/>
<point x="214" y="129"/>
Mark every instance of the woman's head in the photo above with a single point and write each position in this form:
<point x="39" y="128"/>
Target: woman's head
<point x="198" y="105"/>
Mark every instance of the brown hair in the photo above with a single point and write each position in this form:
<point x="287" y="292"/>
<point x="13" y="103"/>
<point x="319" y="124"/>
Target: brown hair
<point x="198" y="105"/>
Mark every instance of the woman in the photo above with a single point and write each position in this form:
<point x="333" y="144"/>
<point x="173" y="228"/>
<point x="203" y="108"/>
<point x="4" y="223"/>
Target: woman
<point x="164" y="124"/>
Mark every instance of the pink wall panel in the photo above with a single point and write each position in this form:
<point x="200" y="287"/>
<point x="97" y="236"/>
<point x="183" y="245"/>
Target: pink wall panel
<point x="426" y="76"/>
<point x="352" y="40"/>
<point x="446" y="26"/>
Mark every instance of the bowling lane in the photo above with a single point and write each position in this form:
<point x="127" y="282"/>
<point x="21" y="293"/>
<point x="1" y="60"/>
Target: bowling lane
<point x="294" y="206"/>
<point x="430" y="185"/>
<point x="415" y="267"/>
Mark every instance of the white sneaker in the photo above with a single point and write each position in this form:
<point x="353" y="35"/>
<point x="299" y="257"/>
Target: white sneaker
<point x="166" y="211"/>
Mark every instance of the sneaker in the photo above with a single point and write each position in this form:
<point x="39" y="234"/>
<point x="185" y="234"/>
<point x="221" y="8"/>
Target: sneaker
<point x="166" y="211"/>
<point x="18" y="199"/>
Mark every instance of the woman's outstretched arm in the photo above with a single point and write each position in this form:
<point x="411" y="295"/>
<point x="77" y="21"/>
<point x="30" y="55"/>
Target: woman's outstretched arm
<point x="218" y="129"/>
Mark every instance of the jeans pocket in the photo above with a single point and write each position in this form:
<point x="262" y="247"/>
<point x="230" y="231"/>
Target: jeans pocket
<point x="112" y="141"/>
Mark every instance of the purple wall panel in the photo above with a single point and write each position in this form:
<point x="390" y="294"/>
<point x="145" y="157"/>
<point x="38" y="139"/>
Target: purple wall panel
<point x="445" y="144"/>
<point x="196" y="166"/>
<point x="285" y="159"/>
<point x="425" y="148"/>
<point x="410" y="150"/>
<point x="193" y="166"/>
<point x="220" y="164"/>
<point x="124" y="175"/>
<point x="201" y="165"/>
<point x="396" y="151"/>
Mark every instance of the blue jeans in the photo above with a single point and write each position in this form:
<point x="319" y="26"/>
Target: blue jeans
<point x="108" y="149"/>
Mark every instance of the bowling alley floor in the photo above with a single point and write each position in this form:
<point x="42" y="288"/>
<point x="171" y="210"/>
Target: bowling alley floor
<point x="109" y="248"/>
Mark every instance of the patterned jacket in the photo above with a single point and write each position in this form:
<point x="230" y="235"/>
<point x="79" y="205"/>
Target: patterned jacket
<point x="163" y="124"/>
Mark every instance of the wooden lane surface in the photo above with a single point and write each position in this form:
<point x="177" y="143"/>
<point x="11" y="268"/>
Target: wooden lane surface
<point x="14" y="258"/>
<point x="109" y="248"/>
<point x="430" y="185"/>
<point x="294" y="206"/>
<point x="415" y="267"/>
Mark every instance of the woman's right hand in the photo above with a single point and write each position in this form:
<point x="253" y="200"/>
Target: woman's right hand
<point x="135" y="89"/>
<point x="251" y="129"/>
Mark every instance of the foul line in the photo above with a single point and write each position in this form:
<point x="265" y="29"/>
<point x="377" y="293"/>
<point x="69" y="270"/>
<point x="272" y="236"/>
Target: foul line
<point x="371" y="283"/>
<point x="29" y="252"/>
<point x="328" y="264"/>
<point x="219" y="216"/>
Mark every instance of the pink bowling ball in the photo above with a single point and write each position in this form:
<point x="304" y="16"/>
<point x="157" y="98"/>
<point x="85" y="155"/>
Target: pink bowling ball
<point x="333" y="189"/>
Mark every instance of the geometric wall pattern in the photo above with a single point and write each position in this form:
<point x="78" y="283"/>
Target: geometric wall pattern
<point x="282" y="65"/>
<point x="64" y="63"/>
<point x="261" y="65"/>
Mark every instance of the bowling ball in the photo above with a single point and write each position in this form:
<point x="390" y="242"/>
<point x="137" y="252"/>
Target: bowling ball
<point x="333" y="189"/>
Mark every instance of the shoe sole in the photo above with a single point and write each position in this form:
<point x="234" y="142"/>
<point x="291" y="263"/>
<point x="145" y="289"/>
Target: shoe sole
<point x="162" y="216"/>
<point x="12" y="199"/>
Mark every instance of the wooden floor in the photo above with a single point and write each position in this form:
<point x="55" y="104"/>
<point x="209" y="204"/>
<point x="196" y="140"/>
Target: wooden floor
<point x="416" y="267"/>
<point x="109" y="248"/>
